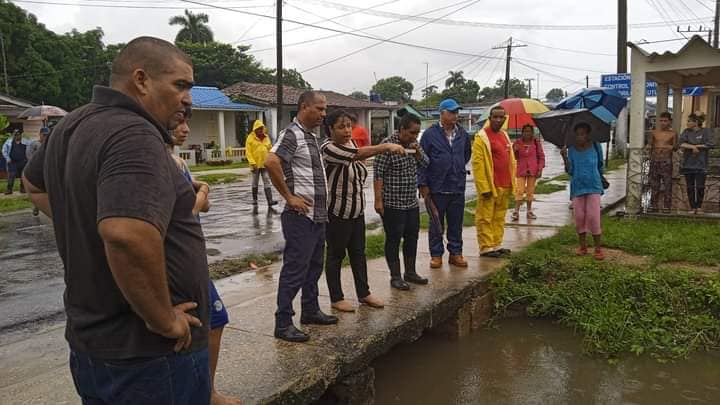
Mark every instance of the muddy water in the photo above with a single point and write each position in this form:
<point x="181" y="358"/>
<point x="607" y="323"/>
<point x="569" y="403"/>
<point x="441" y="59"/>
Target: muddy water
<point x="536" y="362"/>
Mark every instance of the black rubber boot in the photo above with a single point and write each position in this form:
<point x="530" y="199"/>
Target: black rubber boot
<point x="254" y="195"/>
<point x="411" y="275"/>
<point x="268" y="196"/>
<point x="396" y="280"/>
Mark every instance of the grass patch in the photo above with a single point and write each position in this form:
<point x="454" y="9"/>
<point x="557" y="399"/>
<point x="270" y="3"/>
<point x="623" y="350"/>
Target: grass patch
<point x="548" y="187"/>
<point x="3" y="185"/>
<point x="620" y="309"/>
<point x="234" y="165"/>
<point x="228" y="267"/>
<point x="14" y="204"/>
<point x="220" y="178"/>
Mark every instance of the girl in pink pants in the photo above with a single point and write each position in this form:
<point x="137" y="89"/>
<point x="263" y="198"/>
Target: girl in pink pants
<point x="584" y="163"/>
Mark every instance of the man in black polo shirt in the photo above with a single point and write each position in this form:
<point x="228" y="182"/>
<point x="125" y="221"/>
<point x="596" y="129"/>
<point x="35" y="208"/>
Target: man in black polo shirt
<point x="136" y="273"/>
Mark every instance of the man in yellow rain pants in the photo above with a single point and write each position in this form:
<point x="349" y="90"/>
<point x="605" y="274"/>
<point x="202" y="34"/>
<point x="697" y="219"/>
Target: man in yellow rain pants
<point x="257" y="146"/>
<point x="493" y="164"/>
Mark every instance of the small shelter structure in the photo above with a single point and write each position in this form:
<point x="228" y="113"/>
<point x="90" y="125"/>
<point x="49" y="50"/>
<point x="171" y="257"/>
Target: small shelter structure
<point x="697" y="64"/>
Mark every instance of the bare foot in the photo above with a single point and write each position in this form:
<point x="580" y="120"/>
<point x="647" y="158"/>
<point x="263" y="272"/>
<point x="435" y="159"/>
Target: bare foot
<point x="220" y="399"/>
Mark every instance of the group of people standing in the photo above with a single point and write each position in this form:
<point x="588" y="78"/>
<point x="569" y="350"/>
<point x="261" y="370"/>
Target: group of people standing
<point x="695" y="142"/>
<point x="323" y="186"/>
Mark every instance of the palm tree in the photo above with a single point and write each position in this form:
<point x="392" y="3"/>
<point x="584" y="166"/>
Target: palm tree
<point x="194" y="28"/>
<point x="455" y="79"/>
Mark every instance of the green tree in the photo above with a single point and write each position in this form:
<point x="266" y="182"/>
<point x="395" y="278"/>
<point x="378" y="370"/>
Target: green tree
<point x="456" y="79"/>
<point x="394" y="88"/>
<point x="465" y="92"/>
<point x="359" y="95"/>
<point x="222" y="65"/>
<point x="496" y="93"/>
<point x="555" y="95"/>
<point x="293" y="78"/>
<point x="46" y="67"/>
<point x="194" y="27"/>
<point x="429" y="91"/>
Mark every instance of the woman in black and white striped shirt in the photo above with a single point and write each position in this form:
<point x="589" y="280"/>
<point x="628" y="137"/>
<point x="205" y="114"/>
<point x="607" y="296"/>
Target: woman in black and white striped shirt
<point x="346" y="175"/>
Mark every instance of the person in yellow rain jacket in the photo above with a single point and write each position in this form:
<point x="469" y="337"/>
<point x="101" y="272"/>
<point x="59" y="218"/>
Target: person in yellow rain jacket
<point x="493" y="164"/>
<point x="257" y="146"/>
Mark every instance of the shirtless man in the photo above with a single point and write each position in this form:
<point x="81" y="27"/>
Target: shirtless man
<point x="662" y="143"/>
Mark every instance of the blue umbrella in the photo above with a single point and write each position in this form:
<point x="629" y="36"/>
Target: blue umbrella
<point x="604" y="103"/>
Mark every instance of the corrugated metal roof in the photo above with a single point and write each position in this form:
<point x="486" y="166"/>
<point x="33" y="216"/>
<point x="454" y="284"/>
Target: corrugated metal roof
<point x="696" y="40"/>
<point x="211" y="98"/>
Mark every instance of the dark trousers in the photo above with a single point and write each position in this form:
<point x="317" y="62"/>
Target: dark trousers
<point x="452" y="208"/>
<point x="695" y="189"/>
<point x="175" y="379"/>
<point x="661" y="183"/>
<point x="400" y="225"/>
<point x="302" y="265"/>
<point x="346" y="235"/>
<point x="15" y="171"/>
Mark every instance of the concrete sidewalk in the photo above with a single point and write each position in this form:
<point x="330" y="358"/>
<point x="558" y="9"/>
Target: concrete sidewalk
<point x="260" y="369"/>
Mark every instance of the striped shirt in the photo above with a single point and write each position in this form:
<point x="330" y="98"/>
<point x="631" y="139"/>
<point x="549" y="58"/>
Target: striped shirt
<point x="346" y="179"/>
<point x="302" y="166"/>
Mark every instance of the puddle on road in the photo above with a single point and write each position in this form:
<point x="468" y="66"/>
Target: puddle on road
<point x="536" y="362"/>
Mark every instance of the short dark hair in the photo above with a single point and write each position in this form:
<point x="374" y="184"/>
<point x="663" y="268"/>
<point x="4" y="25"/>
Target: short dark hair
<point x="584" y="125"/>
<point x="407" y="120"/>
<point x="532" y="128"/>
<point x="666" y="115"/>
<point x="334" y="117"/>
<point x="697" y="117"/>
<point x="308" y="97"/>
<point x="154" y="55"/>
<point x="493" y="108"/>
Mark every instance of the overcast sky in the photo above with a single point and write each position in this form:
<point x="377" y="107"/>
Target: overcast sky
<point x="464" y="34"/>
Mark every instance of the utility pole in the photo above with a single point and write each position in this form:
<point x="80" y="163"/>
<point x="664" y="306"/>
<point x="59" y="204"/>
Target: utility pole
<point x="537" y="87"/>
<point x="587" y="81"/>
<point x="529" y="87"/>
<point x="427" y="77"/>
<point x="4" y="60"/>
<point x="717" y="23"/>
<point x="622" y="37"/>
<point x="508" y="59"/>
<point x="279" y="74"/>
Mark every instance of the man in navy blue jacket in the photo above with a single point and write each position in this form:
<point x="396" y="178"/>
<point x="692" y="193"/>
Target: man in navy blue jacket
<point x="448" y="146"/>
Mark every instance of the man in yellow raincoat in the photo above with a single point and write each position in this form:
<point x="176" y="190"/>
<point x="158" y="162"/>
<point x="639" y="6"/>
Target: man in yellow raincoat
<point x="257" y="146"/>
<point x="493" y="164"/>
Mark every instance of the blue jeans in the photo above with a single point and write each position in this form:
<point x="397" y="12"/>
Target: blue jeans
<point x="303" y="264"/>
<point x="452" y="207"/>
<point x="176" y="379"/>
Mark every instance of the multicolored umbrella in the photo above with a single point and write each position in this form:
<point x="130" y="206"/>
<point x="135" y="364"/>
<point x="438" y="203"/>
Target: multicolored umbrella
<point x="42" y="112"/>
<point x="519" y="112"/>
<point x="604" y="103"/>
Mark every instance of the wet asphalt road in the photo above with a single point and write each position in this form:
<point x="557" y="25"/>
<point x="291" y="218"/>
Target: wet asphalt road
<point x="31" y="274"/>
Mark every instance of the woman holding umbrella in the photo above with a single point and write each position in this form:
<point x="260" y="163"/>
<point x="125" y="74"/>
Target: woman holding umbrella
<point x="584" y="163"/>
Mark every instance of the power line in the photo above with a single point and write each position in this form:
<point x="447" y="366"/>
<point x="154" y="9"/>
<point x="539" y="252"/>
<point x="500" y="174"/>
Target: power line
<point x="365" y="35"/>
<point x="578" y="51"/>
<point x="53" y="3"/>
<point x="324" y="20"/>
<point x="589" y="27"/>
<point x="391" y="38"/>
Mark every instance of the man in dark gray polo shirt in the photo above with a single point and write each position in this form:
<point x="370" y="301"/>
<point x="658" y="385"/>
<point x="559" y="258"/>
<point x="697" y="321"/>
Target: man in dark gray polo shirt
<point x="297" y="172"/>
<point x="136" y="273"/>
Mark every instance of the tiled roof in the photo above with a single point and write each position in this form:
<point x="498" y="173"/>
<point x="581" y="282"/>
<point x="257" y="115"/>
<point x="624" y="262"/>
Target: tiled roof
<point x="266" y="94"/>
<point x="211" y="98"/>
<point x="696" y="40"/>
